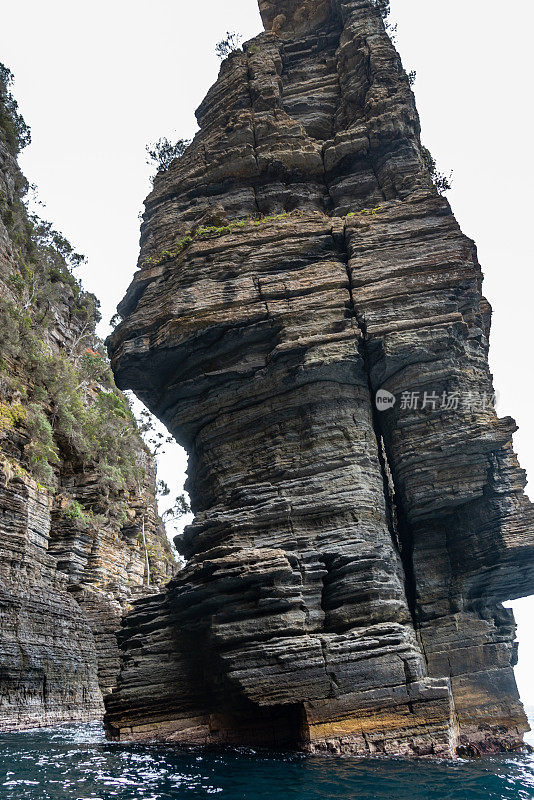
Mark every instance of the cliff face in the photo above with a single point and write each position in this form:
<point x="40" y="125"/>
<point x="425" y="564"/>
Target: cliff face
<point x="76" y="482"/>
<point x="348" y="559"/>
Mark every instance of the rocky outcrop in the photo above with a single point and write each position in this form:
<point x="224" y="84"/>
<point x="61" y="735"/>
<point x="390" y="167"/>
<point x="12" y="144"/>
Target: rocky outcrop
<point x="307" y="320"/>
<point x="79" y="530"/>
<point x="48" y="664"/>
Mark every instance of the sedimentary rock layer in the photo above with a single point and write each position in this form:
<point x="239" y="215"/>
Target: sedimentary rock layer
<point x="347" y="560"/>
<point x="48" y="666"/>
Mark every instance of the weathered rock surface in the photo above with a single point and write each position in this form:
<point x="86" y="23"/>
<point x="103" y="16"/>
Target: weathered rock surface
<point x="58" y="632"/>
<point x="346" y="564"/>
<point x="48" y="664"/>
<point x="66" y="577"/>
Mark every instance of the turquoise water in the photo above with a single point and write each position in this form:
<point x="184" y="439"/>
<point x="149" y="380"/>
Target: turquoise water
<point x="76" y="762"/>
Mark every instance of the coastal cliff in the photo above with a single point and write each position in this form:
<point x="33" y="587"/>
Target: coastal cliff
<point x="307" y="320"/>
<point x="78" y="520"/>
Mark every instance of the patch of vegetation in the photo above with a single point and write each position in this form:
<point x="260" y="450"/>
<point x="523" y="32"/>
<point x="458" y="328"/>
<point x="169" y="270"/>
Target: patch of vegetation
<point x="11" y="415"/>
<point x="211" y="232"/>
<point x="372" y="211"/>
<point x="367" y="211"/>
<point x="12" y="469"/>
<point x="229" y="44"/>
<point x="41" y="451"/>
<point x="441" y="181"/>
<point x="70" y="404"/>
<point x="75" y="512"/>
<point x="156" y="555"/>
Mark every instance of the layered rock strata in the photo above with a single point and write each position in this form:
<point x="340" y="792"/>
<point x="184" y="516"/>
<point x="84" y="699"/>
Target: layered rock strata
<point x="74" y="550"/>
<point x="347" y="560"/>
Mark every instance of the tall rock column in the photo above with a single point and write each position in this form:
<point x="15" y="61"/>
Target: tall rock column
<point x="295" y="260"/>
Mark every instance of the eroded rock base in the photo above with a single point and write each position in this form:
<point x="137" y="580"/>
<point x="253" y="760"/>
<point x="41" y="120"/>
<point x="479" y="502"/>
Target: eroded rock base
<point x="169" y="691"/>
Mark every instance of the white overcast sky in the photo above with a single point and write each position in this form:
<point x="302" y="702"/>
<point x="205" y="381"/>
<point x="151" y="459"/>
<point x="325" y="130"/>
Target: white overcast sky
<point x="98" y="81"/>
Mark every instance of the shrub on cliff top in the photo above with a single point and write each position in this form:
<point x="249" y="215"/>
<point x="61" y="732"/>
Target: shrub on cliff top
<point x="229" y="44"/>
<point x="163" y="152"/>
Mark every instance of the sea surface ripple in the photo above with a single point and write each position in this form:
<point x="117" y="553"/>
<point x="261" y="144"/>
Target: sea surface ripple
<point x="74" y="762"/>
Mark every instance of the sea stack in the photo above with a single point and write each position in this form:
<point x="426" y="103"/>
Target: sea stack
<point x="307" y="320"/>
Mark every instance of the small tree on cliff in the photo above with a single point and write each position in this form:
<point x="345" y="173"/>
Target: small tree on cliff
<point x="163" y="152"/>
<point x="180" y="508"/>
<point x="441" y="181"/>
<point x="228" y="45"/>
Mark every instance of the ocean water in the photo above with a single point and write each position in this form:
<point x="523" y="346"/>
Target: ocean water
<point x="76" y="762"/>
